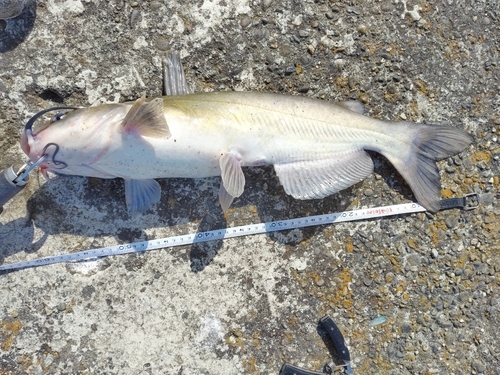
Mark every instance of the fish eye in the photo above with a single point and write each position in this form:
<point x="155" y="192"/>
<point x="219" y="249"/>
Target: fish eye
<point x="57" y="117"/>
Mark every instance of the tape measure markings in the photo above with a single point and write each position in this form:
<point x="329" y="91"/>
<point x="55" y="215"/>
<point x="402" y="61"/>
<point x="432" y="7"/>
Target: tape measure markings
<point x="220" y="234"/>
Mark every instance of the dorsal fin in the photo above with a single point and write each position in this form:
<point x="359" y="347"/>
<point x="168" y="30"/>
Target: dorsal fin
<point x="174" y="82"/>
<point x="147" y="118"/>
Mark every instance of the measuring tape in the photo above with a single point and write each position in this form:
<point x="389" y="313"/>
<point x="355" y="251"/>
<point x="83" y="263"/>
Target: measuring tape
<point x="244" y="230"/>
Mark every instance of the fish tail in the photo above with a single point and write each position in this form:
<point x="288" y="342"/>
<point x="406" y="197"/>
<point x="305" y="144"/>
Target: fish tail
<point x="427" y="144"/>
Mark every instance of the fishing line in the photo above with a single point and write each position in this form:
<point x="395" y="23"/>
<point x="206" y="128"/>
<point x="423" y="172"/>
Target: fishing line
<point x="467" y="202"/>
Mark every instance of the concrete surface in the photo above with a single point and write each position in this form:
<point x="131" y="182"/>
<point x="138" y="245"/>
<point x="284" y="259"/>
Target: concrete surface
<point x="247" y="305"/>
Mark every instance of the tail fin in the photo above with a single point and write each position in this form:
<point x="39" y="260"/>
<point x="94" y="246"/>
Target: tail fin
<point x="428" y="143"/>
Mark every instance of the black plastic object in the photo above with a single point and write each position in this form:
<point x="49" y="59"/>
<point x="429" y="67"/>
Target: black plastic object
<point x="288" y="369"/>
<point x="338" y="340"/>
<point x="29" y="125"/>
<point x="9" y="188"/>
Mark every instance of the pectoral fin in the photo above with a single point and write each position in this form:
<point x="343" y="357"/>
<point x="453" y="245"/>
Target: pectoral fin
<point x="141" y="194"/>
<point x="147" y="118"/>
<point x="225" y="198"/>
<point x="314" y="179"/>
<point x="174" y="82"/>
<point x="233" y="179"/>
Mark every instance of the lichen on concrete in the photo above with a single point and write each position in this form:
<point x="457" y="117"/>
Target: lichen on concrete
<point x="246" y="305"/>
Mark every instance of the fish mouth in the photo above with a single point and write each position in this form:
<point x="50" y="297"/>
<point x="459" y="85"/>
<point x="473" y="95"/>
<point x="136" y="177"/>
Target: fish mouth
<point x="27" y="139"/>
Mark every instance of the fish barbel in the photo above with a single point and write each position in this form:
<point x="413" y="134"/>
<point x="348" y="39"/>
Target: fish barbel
<point x="317" y="147"/>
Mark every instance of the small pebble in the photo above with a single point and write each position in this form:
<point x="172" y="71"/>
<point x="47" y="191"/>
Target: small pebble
<point x="354" y="10"/>
<point x="245" y="21"/>
<point x="387" y="7"/>
<point x="391" y="89"/>
<point x="351" y="82"/>
<point x="162" y="44"/>
<point x="406" y="328"/>
<point x="303" y="33"/>
<point x="297" y="21"/>
<point x="414" y="260"/>
<point x="340" y="63"/>
<point x="135" y="18"/>
<point x="368" y="192"/>
<point x="329" y="15"/>
<point x="451" y="221"/>
<point x="478" y="366"/>
<point x="155" y="5"/>
<point x="266" y="4"/>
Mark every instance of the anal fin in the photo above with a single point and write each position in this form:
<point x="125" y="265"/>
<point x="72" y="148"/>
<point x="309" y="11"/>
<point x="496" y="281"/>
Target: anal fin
<point x="141" y="194"/>
<point x="314" y="179"/>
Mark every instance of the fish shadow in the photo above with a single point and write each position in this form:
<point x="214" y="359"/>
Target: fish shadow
<point x="264" y="200"/>
<point x="92" y="207"/>
<point x="14" y="31"/>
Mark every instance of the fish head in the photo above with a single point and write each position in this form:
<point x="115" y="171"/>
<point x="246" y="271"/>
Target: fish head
<point x="71" y="141"/>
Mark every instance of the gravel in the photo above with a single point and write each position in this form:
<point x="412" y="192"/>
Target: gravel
<point x="247" y="305"/>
